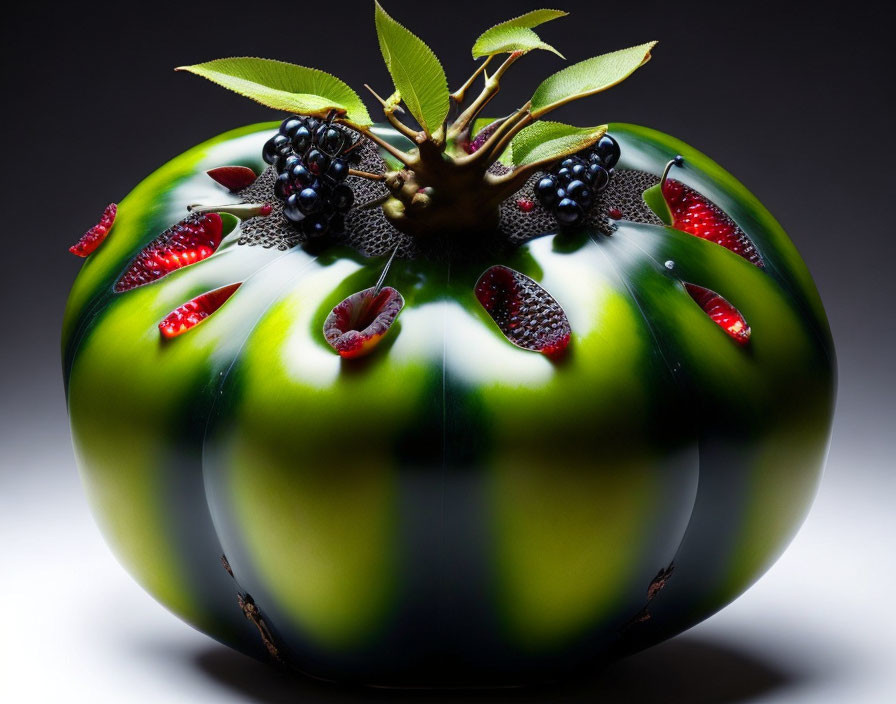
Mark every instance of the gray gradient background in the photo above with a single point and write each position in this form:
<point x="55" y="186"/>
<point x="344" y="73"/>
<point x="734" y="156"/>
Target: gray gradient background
<point x="797" y="103"/>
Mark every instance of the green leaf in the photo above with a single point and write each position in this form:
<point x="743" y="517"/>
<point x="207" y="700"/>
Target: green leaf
<point x="516" y="35"/>
<point x="657" y="202"/>
<point x="548" y="141"/>
<point x="416" y="72"/>
<point x="588" y="77"/>
<point x="284" y="86"/>
<point x="482" y="122"/>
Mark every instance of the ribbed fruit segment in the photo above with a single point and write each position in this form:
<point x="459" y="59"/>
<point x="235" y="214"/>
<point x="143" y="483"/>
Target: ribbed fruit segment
<point x="721" y="312"/>
<point x="189" y="241"/>
<point x="358" y="323"/>
<point x="527" y="314"/>
<point x="193" y="312"/>
<point x="94" y="237"/>
<point x="234" y="178"/>
<point x="694" y="214"/>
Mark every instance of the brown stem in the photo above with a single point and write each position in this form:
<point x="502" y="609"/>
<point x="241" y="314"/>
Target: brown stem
<point x="389" y="111"/>
<point x="403" y="157"/>
<point x="367" y="175"/>
<point x="459" y="95"/>
<point x="496" y="149"/>
<point x="492" y="86"/>
<point x="487" y="153"/>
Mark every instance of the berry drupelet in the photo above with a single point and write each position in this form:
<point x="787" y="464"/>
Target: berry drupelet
<point x="312" y="163"/>
<point x="569" y="191"/>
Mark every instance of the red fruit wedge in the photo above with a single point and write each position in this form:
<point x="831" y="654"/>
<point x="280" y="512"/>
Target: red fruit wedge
<point x="357" y="325"/>
<point x="234" y="178"/>
<point x="721" y="312"/>
<point x="189" y="241"/>
<point x="527" y="314"/>
<point x="698" y="216"/>
<point x="95" y="236"/>
<point x="193" y="312"/>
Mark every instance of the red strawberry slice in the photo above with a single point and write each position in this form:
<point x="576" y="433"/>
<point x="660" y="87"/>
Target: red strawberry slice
<point x="95" y="236"/>
<point x="527" y="314"/>
<point x="194" y="311"/>
<point x="234" y="178"/>
<point x="189" y="241"/>
<point x="698" y="216"/>
<point x="356" y="326"/>
<point x="721" y="312"/>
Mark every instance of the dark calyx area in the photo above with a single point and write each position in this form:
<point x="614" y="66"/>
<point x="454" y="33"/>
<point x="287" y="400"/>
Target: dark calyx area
<point x="366" y="229"/>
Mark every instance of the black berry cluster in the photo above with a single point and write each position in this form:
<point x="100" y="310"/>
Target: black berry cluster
<point x="312" y="161"/>
<point x="569" y="191"/>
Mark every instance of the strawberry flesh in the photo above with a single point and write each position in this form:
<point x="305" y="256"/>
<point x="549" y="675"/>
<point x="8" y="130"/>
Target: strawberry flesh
<point x="527" y="314"/>
<point x="356" y="326"/>
<point x="698" y="216"/>
<point x="188" y="242"/>
<point x="721" y="312"/>
<point x="234" y="178"/>
<point x="194" y="311"/>
<point x="95" y="236"/>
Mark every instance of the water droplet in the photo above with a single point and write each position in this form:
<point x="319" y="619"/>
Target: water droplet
<point x="669" y="265"/>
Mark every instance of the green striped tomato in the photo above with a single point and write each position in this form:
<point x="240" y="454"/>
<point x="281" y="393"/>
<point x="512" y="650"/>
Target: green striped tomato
<point x="451" y="509"/>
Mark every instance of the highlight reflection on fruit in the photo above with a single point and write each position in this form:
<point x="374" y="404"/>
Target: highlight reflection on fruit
<point x="479" y="402"/>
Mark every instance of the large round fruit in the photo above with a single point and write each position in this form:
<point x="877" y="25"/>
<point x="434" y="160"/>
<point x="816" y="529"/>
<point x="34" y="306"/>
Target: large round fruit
<point x="452" y="508"/>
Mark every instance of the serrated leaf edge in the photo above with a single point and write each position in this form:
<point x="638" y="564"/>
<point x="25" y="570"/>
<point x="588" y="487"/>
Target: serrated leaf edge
<point x="359" y="116"/>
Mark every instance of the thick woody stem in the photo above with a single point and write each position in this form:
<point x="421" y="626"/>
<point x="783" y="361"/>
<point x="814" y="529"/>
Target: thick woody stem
<point x="492" y="86"/>
<point x="459" y="95"/>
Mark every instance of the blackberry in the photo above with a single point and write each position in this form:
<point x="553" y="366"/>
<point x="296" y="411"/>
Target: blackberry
<point x="310" y="200"/>
<point x="283" y="186"/>
<point x="291" y="210"/>
<point x="290" y="126"/>
<point x="580" y="193"/>
<point x="569" y="213"/>
<point x="607" y="150"/>
<point x="342" y="198"/>
<point x="286" y="163"/>
<point x="276" y="146"/>
<point x="302" y="139"/>
<point x="301" y="175"/>
<point x="569" y="192"/>
<point x="331" y="140"/>
<point x="316" y="161"/>
<point x="316" y="225"/>
<point x="599" y="177"/>
<point x="546" y="191"/>
<point x="338" y="170"/>
<point x="312" y="161"/>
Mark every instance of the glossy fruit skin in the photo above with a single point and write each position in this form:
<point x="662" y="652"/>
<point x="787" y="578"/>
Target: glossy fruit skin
<point x="451" y="509"/>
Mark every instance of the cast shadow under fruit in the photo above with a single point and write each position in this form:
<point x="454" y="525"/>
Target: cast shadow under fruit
<point x="687" y="670"/>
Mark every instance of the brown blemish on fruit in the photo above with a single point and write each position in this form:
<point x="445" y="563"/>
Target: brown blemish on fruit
<point x="226" y="565"/>
<point x="252" y="613"/>
<point x="657" y="584"/>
